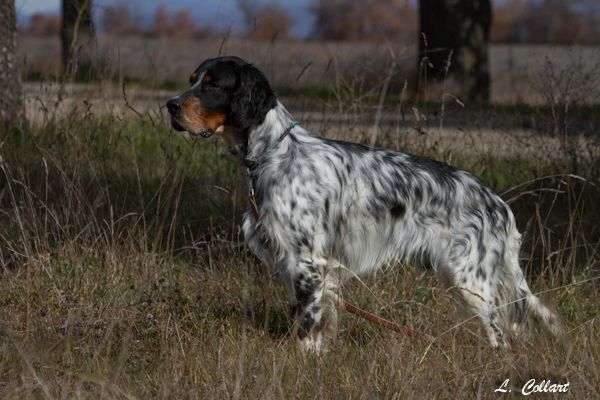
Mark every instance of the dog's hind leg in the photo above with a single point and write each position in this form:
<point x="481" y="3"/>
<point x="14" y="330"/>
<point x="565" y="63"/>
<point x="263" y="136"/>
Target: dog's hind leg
<point x="471" y="270"/>
<point x="476" y="292"/>
<point x="476" y="302"/>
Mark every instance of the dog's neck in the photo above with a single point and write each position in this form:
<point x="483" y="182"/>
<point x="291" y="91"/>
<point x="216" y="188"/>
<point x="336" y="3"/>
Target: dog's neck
<point x="255" y="143"/>
<point x="235" y="140"/>
<point x="277" y="120"/>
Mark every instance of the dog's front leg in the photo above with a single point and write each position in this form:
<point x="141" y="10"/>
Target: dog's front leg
<point x="313" y="303"/>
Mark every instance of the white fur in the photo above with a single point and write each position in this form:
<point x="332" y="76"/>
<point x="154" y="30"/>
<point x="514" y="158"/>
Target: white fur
<point x="326" y="203"/>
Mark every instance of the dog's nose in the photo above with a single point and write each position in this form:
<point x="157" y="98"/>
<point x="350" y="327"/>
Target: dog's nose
<point x="173" y="105"/>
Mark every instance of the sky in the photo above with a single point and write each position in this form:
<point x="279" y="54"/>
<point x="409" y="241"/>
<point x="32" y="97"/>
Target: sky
<point x="203" y="11"/>
<point x="223" y="14"/>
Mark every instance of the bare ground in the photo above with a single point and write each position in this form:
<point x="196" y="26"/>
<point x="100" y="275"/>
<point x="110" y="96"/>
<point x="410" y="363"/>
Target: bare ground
<point x="400" y="127"/>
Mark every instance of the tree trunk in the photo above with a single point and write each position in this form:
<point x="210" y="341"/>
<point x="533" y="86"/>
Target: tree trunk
<point x="11" y="98"/>
<point x="453" y="45"/>
<point x="76" y="34"/>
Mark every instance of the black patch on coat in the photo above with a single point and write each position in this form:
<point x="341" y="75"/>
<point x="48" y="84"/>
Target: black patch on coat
<point x="480" y="273"/>
<point x="398" y="210"/>
<point x="305" y="326"/>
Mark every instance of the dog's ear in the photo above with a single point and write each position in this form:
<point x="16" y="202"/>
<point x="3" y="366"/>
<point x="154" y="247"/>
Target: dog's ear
<point x="252" y="99"/>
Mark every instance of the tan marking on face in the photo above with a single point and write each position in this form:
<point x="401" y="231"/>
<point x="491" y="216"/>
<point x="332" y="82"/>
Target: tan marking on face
<point x="195" y="118"/>
<point x="206" y="78"/>
<point x="193" y="77"/>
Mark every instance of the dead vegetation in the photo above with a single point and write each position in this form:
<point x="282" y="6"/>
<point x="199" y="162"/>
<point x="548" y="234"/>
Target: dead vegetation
<point x="125" y="275"/>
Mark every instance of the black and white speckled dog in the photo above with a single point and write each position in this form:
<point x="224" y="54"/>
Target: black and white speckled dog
<point x="328" y="209"/>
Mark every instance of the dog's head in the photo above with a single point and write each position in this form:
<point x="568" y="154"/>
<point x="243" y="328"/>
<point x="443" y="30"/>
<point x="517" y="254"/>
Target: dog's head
<point x="224" y="92"/>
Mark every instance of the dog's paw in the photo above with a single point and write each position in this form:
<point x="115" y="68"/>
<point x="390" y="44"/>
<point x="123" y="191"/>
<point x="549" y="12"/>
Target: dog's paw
<point x="312" y="344"/>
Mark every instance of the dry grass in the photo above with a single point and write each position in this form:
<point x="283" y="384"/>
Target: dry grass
<point x="124" y="273"/>
<point x="125" y="276"/>
<point x="139" y="326"/>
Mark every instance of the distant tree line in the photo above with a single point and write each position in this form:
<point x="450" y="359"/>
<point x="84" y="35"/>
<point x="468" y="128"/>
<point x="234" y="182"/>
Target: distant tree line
<point x="262" y="23"/>
<point x="119" y="20"/>
<point x="358" y="20"/>
<point x="514" y="21"/>
<point x="547" y="21"/>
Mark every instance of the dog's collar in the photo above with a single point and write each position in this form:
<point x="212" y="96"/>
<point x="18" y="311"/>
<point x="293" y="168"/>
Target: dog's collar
<point x="252" y="164"/>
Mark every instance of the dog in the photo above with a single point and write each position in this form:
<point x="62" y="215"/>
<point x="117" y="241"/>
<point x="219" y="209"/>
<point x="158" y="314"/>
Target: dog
<point x="324" y="210"/>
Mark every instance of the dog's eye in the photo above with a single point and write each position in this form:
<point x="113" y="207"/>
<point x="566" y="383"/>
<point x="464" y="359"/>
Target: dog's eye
<point x="210" y="84"/>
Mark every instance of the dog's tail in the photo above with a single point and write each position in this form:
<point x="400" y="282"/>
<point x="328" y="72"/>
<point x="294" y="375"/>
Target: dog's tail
<point x="524" y="307"/>
<point x="528" y="306"/>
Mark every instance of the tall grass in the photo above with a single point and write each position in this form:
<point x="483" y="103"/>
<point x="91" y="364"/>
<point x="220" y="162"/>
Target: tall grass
<point x="125" y="275"/>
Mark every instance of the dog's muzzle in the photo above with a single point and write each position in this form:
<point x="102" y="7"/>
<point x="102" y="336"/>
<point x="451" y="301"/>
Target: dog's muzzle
<point x="174" y="106"/>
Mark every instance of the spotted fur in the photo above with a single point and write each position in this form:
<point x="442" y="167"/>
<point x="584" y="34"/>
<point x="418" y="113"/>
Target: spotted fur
<point x="329" y="210"/>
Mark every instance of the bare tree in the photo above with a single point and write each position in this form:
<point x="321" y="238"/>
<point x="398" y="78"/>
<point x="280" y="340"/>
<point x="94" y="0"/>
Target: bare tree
<point x="11" y="100"/>
<point x="247" y="9"/>
<point x="565" y="22"/>
<point x="162" y="22"/>
<point x="453" y="45"/>
<point x="558" y="22"/>
<point x="118" y="20"/>
<point x="178" y="24"/>
<point x="42" y="25"/>
<point x="272" y="22"/>
<point x="362" y="20"/>
<point x="77" y="32"/>
<point x="265" y="22"/>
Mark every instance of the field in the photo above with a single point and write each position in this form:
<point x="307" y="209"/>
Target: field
<point x="520" y="74"/>
<point x="125" y="275"/>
